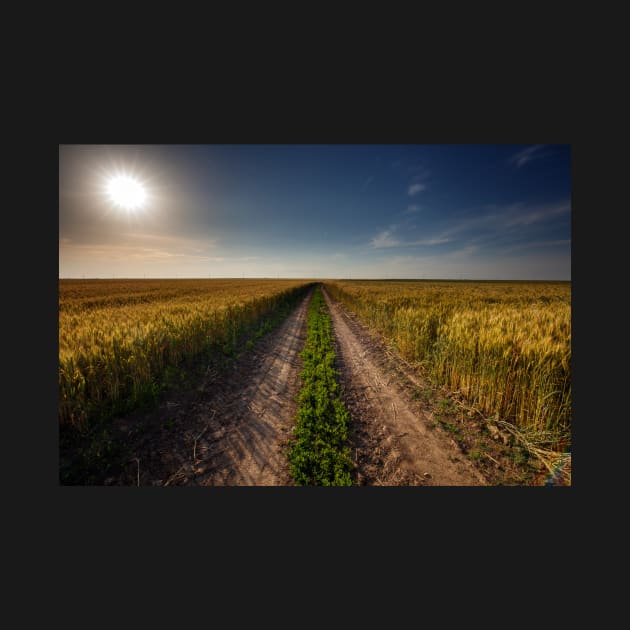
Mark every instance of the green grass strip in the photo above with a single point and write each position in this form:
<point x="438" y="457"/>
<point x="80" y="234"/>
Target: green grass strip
<point x="320" y="455"/>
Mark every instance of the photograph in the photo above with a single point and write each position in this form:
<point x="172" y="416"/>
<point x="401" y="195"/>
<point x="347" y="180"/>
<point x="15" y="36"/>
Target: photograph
<point x="315" y="315"/>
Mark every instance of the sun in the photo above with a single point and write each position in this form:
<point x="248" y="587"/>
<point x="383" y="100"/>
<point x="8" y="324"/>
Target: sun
<point x="126" y="192"/>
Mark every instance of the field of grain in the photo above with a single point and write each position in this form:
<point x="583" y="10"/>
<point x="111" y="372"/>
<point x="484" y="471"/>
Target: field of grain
<point x="118" y="338"/>
<point x="504" y="346"/>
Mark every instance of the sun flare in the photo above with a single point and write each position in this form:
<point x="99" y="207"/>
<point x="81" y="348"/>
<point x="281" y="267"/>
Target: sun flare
<point x="126" y="192"/>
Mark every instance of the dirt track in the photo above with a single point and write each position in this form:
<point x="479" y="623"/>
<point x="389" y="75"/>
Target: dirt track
<point x="234" y="428"/>
<point x="392" y="440"/>
<point x="249" y="422"/>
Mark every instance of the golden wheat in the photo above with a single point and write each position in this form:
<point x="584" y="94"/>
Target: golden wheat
<point x="505" y="346"/>
<point x="118" y="337"/>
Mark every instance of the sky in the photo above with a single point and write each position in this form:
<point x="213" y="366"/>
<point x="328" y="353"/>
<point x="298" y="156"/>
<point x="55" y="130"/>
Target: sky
<point x="479" y="212"/>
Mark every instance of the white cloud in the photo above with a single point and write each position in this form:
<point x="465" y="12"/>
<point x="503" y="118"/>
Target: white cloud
<point x="526" y="155"/>
<point x="138" y="247"/>
<point x="414" y="189"/>
<point x="515" y="216"/>
<point x="411" y="209"/>
<point x="108" y="252"/>
<point x="438" y="240"/>
<point x="508" y="219"/>
<point x="493" y="229"/>
<point x="467" y="250"/>
<point x="384" y="239"/>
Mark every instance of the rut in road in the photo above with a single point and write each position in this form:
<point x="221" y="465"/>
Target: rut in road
<point x="234" y="428"/>
<point x="391" y="438"/>
<point x="249" y="419"/>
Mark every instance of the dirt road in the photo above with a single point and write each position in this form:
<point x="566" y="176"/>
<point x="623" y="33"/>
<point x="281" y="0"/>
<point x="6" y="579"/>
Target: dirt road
<point x="234" y="428"/>
<point x="393" y="440"/>
<point x="249" y="420"/>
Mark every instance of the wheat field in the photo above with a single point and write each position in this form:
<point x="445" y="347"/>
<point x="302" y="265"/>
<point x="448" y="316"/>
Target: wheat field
<point x="505" y="346"/>
<point x="118" y="338"/>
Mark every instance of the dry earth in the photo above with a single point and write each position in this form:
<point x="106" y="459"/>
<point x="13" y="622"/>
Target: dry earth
<point x="233" y="430"/>
<point x="393" y="440"/>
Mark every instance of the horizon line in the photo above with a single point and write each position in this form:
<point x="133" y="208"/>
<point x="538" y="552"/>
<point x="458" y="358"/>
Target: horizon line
<point x="313" y="278"/>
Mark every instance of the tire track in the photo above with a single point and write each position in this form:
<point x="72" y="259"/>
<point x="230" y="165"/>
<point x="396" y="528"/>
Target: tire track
<point x="391" y="440"/>
<point x="233" y="429"/>
<point x="250" y="422"/>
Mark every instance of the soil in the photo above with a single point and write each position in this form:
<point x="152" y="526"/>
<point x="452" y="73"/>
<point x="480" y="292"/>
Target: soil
<point x="232" y="430"/>
<point x="406" y="430"/>
<point x="391" y="437"/>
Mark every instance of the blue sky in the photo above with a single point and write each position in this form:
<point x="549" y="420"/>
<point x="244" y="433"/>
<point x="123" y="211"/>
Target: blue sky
<point x="319" y="211"/>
